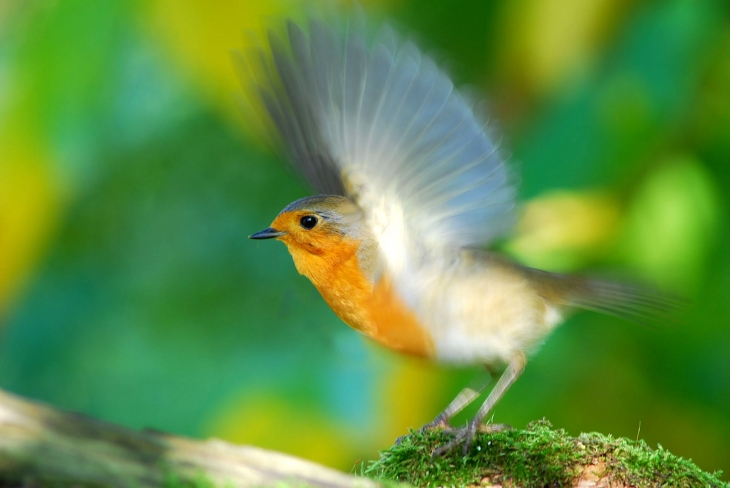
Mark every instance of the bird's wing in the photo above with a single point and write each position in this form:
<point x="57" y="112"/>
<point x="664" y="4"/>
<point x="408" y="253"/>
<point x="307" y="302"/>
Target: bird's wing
<point x="385" y="126"/>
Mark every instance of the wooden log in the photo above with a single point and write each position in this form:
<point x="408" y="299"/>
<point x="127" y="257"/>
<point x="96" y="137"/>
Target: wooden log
<point x="39" y="443"/>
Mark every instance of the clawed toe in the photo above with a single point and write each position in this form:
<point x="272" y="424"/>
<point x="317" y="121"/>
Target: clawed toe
<point x="462" y="437"/>
<point x="439" y="423"/>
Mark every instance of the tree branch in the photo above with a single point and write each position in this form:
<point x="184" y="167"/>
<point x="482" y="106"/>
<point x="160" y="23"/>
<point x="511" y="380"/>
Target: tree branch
<point x="40" y="443"/>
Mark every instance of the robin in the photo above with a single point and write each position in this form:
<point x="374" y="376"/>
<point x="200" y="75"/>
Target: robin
<point x="412" y="190"/>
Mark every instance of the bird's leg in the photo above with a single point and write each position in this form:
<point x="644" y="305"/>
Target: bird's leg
<point x="465" y="436"/>
<point x="462" y="400"/>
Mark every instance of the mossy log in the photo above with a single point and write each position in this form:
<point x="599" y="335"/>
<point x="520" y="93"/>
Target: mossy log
<point x="41" y="446"/>
<point x="539" y="456"/>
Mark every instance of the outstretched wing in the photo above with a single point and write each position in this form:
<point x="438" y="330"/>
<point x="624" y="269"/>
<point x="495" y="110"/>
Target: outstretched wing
<point x="385" y="127"/>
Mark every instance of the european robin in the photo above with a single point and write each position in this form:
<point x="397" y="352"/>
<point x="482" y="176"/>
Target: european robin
<point x="413" y="190"/>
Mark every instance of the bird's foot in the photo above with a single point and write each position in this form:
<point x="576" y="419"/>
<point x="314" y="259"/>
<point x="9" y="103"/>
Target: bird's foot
<point x="439" y="423"/>
<point x="465" y="437"/>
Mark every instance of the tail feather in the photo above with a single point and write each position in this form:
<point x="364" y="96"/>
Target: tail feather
<point x="625" y="301"/>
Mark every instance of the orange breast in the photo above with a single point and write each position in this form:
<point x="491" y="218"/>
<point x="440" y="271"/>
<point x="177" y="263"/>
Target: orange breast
<point x="375" y="310"/>
<point x="394" y="324"/>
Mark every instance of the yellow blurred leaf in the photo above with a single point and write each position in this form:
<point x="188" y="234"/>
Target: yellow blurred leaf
<point x="29" y="208"/>
<point x="201" y="36"/>
<point x="277" y="423"/>
<point x="544" y="39"/>
<point x="562" y="230"/>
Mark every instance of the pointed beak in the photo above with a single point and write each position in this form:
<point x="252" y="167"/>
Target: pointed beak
<point x="269" y="233"/>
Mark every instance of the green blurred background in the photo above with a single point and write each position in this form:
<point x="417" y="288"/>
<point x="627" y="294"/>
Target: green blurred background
<point x="129" y="181"/>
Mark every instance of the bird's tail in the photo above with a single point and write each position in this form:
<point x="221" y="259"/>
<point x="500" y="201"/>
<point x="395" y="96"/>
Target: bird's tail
<point x="630" y="302"/>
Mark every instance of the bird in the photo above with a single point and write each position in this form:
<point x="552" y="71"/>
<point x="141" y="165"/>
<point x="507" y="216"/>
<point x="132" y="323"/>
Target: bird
<point x="411" y="190"/>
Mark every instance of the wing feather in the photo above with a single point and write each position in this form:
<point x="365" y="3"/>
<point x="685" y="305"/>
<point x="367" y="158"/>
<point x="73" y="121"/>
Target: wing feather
<point x="385" y="125"/>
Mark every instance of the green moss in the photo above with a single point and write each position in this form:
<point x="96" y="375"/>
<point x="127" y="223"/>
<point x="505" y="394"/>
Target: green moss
<point x="174" y="481"/>
<point x="538" y="456"/>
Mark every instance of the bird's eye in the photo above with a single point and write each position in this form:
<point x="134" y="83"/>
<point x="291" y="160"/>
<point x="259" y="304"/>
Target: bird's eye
<point x="308" y="221"/>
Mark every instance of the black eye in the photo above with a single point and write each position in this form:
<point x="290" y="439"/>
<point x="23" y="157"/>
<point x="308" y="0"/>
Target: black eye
<point x="308" y="221"/>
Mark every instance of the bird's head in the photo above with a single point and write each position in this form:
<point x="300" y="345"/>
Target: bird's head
<point x="330" y="227"/>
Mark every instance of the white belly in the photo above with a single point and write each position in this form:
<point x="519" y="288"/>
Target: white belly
<point x="481" y="312"/>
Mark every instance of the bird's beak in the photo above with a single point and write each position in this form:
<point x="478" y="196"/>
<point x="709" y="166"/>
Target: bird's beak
<point x="269" y="233"/>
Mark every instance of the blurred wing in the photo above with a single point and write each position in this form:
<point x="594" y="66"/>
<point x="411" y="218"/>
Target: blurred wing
<point x="387" y="127"/>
